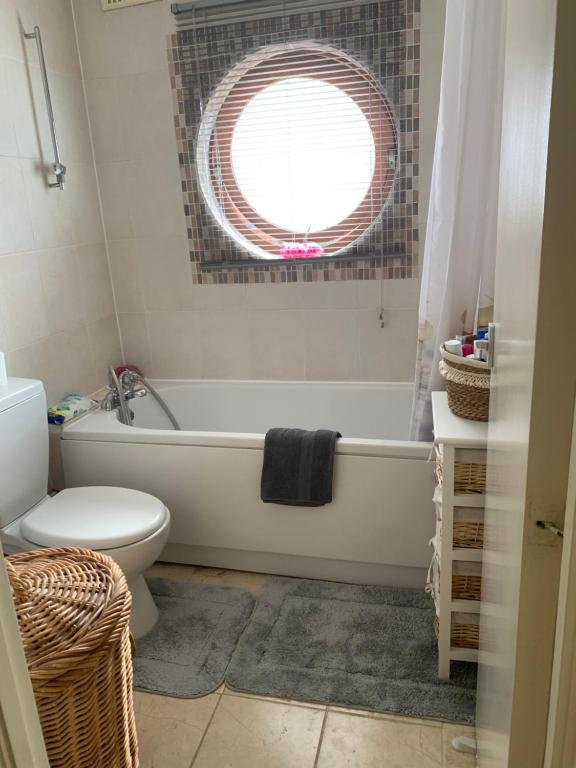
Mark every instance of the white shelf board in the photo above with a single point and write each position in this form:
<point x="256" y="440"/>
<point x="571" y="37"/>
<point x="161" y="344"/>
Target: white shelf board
<point x="463" y="654"/>
<point x="454" y="430"/>
<point x="469" y="500"/>
<point x="465" y="606"/>
<point x="467" y="553"/>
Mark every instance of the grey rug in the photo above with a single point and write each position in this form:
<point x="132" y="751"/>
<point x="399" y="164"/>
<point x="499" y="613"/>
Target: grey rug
<point x="359" y="646"/>
<point x="187" y="652"/>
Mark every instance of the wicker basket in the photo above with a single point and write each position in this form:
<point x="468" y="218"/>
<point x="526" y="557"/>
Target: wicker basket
<point x="466" y="586"/>
<point x="73" y="607"/>
<point x="468" y="535"/>
<point x="469" y="477"/>
<point x="464" y="631"/>
<point x="467" y="384"/>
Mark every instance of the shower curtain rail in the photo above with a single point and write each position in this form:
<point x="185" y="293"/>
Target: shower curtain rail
<point x="58" y="167"/>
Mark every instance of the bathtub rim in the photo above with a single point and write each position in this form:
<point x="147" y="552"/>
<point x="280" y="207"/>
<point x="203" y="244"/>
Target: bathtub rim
<point x="104" y="426"/>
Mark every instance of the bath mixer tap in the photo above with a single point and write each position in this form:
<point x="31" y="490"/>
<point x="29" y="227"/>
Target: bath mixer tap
<point x="121" y="389"/>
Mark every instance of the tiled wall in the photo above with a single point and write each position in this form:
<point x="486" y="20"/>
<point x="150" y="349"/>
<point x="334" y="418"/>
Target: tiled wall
<point x="57" y="319"/>
<point x="173" y="328"/>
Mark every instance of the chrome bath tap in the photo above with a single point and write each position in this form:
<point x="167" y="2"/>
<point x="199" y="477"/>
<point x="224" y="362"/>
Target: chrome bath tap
<point x="122" y="389"/>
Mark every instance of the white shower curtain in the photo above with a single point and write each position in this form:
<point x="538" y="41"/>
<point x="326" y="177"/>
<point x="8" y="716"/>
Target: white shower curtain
<point x="459" y="250"/>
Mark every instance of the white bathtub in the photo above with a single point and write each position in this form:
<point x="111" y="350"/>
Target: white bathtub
<point x="375" y="531"/>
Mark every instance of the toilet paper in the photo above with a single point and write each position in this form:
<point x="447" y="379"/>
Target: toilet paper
<point x="3" y="374"/>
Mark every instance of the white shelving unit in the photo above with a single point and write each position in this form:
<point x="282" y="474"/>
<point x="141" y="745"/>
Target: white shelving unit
<point x="455" y="439"/>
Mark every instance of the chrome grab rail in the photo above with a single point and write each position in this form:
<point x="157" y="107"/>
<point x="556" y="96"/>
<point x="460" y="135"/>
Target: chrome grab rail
<point x="58" y="167"/>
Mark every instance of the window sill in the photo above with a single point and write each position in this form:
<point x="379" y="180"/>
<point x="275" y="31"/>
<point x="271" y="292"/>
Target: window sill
<point x="251" y="263"/>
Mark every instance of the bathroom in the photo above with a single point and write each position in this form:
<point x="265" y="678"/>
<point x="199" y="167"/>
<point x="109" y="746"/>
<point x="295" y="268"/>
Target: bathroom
<point x="131" y="275"/>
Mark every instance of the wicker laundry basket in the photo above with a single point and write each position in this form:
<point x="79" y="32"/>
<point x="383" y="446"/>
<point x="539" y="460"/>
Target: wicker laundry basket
<point x="73" y="607"/>
<point x="467" y="384"/>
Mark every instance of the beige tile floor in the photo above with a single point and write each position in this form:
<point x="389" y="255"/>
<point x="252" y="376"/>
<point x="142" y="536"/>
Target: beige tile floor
<point x="231" y="730"/>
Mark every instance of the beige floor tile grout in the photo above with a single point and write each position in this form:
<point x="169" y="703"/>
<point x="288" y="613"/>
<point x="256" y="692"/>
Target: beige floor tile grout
<point x="321" y="738"/>
<point x="208" y="724"/>
<point x="273" y="700"/>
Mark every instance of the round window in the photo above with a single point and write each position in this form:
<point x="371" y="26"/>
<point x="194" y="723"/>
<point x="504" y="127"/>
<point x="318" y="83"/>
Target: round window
<point x="297" y="151"/>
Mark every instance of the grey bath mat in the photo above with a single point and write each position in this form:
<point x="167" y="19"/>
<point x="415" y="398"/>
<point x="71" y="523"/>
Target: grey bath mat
<point x="367" y="647"/>
<point x="187" y="652"/>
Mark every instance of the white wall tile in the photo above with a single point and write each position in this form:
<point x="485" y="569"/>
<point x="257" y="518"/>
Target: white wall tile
<point x="16" y="232"/>
<point x="134" y="333"/>
<point x="212" y="296"/>
<point x="95" y="282"/>
<point x="223" y="338"/>
<point x="165" y="273"/>
<point x="60" y="278"/>
<point x="81" y="196"/>
<point x="115" y="185"/>
<point x="8" y="144"/>
<point x="146" y="115"/>
<point x="21" y="300"/>
<point x="277" y="344"/>
<point x="150" y="51"/>
<point x="389" y="353"/>
<point x="341" y="294"/>
<point x="35" y="362"/>
<point x="103" y="38"/>
<point x="180" y="358"/>
<point x="338" y="294"/>
<point x="401" y="294"/>
<point x="10" y="43"/>
<point x="331" y="340"/>
<point x="72" y="368"/>
<point x="104" y="341"/>
<point x="273" y="296"/>
<point x="155" y="195"/>
<point x="125" y="264"/>
<point x="106" y="40"/>
<point x="105" y="119"/>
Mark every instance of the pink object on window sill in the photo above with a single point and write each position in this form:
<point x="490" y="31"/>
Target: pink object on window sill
<point x="300" y="250"/>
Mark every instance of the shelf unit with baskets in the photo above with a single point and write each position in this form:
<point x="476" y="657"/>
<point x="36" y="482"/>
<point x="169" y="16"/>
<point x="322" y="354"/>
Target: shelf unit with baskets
<point x="455" y="579"/>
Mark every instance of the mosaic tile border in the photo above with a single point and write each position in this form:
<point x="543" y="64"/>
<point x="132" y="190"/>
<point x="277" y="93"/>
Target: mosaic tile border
<point x="385" y="37"/>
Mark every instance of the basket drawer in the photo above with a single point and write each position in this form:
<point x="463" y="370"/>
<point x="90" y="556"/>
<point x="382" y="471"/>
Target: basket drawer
<point x="469" y="471"/>
<point x="466" y="580"/>
<point x="468" y="528"/>
<point x="464" y="630"/>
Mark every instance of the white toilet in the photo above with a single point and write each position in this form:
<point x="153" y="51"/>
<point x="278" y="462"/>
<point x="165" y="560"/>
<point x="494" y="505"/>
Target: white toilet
<point x="130" y="526"/>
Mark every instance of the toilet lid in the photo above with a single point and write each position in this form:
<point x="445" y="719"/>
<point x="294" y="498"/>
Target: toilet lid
<point x="98" y="517"/>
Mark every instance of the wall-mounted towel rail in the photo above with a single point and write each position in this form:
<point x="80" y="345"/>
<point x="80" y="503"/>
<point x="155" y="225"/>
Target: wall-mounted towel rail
<point x="58" y="168"/>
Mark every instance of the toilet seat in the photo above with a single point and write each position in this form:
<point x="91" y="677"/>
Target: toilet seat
<point x="96" y="517"/>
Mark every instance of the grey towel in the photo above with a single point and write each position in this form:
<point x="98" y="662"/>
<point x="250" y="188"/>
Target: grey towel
<point x="298" y="467"/>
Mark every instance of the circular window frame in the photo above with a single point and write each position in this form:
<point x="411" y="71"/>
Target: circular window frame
<point x="214" y="146"/>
